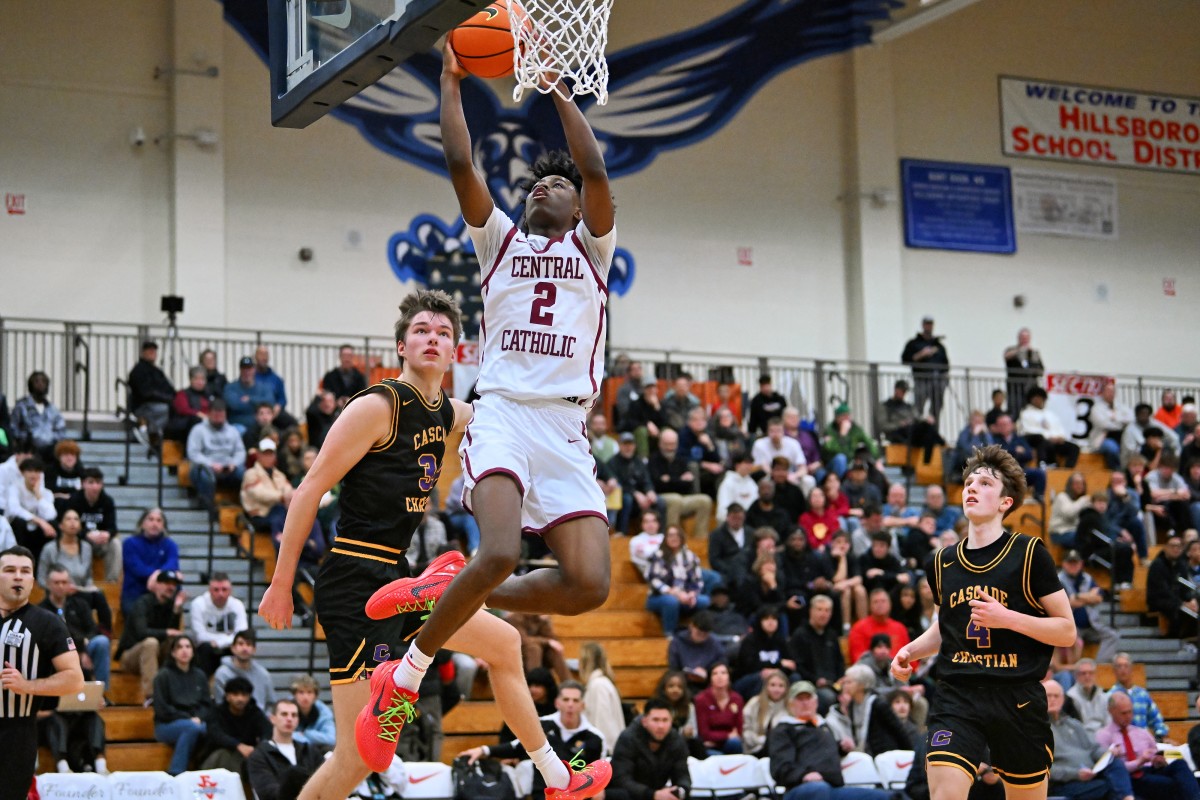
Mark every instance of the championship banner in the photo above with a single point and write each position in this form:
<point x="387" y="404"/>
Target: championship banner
<point x="1100" y="126"/>
<point x="1070" y="397"/>
<point x="1065" y="205"/>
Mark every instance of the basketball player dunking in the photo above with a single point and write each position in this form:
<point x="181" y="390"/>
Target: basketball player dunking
<point x="527" y="463"/>
<point x="1001" y="613"/>
<point x="386" y="449"/>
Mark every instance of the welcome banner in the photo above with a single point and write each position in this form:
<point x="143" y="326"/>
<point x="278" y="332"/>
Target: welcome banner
<point x="1097" y="125"/>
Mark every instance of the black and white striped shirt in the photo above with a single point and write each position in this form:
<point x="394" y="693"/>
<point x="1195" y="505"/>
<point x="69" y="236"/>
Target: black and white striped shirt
<point x="30" y="639"/>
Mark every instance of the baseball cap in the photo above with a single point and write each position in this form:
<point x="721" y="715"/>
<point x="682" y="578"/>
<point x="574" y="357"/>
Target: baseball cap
<point x="1072" y="555"/>
<point x="266" y="444"/>
<point x="626" y="437"/>
<point x="170" y="576"/>
<point x="149" y="344"/>
<point x="246" y="361"/>
<point x="843" y="408"/>
<point x="801" y="687"/>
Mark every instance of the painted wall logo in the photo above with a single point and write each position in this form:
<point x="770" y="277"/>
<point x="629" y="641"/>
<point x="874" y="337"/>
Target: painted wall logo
<point x="663" y="94"/>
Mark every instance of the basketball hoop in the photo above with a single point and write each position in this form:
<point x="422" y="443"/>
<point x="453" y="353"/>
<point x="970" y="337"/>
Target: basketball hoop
<point x="561" y="38"/>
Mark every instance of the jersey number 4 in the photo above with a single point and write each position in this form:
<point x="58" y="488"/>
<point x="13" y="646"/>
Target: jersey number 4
<point x="982" y="636"/>
<point x="544" y="295"/>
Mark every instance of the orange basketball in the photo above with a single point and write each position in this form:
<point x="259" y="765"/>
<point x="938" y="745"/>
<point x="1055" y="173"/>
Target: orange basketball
<point x="484" y="43"/>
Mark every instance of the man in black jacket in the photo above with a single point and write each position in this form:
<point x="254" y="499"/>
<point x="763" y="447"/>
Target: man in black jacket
<point x="344" y="380"/>
<point x="678" y="483"/>
<point x="279" y="766"/>
<point x="153" y="617"/>
<point x="804" y="752"/>
<point x="649" y="755"/>
<point x="87" y="617"/>
<point x="98" y="513"/>
<point x="817" y="651"/>
<point x="236" y="727"/>
<point x="150" y="392"/>
<point x="632" y="474"/>
<point x="731" y="549"/>
<point x="1165" y="594"/>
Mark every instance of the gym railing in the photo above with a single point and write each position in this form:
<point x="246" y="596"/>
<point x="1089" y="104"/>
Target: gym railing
<point x="130" y="423"/>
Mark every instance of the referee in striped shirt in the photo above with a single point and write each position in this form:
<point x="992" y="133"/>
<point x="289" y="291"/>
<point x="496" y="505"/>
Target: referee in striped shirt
<point x="39" y="660"/>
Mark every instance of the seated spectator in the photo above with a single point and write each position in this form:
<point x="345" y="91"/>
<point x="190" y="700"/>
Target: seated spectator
<point x="1152" y="776"/>
<point x="150" y="394"/>
<point x="879" y="621"/>
<point x="539" y="646"/>
<point x="899" y="423"/>
<point x="698" y="447"/>
<point x="189" y="407"/>
<point x="216" y="380"/>
<point x="601" y="700"/>
<point x="1136" y="438"/>
<point x="794" y="427"/>
<point x="878" y="659"/>
<point x="762" y="711"/>
<point x="1118" y="551"/>
<point x="1170" y="497"/>
<point x="906" y="609"/>
<point x="901" y="703"/>
<point x="144" y="555"/>
<point x="974" y="436"/>
<point x="920" y="541"/>
<point x="98" y="516"/>
<point x="775" y="445"/>
<point x="880" y="569"/>
<point x="217" y="455"/>
<point x="279" y="767"/>
<point x="1145" y="710"/>
<point x="737" y="487"/>
<point x="729" y="624"/>
<point x="821" y="521"/>
<point x="1019" y="449"/>
<point x="1125" y="511"/>
<point x="765" y="513"/>
<point x="1193" y="485"/>
<point x="728" y="437"/>
<point x="650" y="754"/>
<point x="240" y="663"/>
<point x="676" y="582"/>
<point x="645" y="418"/>
<point x="1065" y="510"/>
<point x="234" y="728"/>
<point x="897" y="513"/>
<point x="847" y="582"/>
<point x="788" y="496"/>
<point x="215" y="617"/>
<point x="677" y="484"/>
<point x="806" y="756"/>
<point x="263" y="374"/>
<point x="36" y="419"/>
<point x="75" y="739"/>
<point x="64" y="475"/>
<point x="731" y="548"/>
<point x="243" y="396"/>
<point x="345" y="380"/>
<point x="935" y="503"/>
<point x="181" y="702"/>
<point x="764" y="586"/>
<point x="1085" y="596"/>
<point x="719" y="713"/>
<point x="316" y="726"/>
<point x="291" y="454"/>
<point x="645" y="544"/>
<point x="678" y="402"/>
<point x="864" y="719"/>
<point x="152" y="620"/>
<point x="30" y="507"/>
<point x="1044" y="432"/>
<point x="842" y="438"/>
<point x="804" y="572"/>
<point x="1090" y="700"/>
<point x="817" y="649"/>
<point x="87" y="617"/>
<point x="266" y="494"/>
<point x="1169" y="413"/>
<point x="672" y="689"/>
<point x="262" y="428"/>
<point x="871" y="525"/>
<point x="633" y="475"/>
<point x="320" y="416"/>
<point x="764" y="406"/>
<point x="1165" y="594"/>
<point x="1076" y="751"/>
<point x="1108" y="419"/>
<point x="69" y="552"/>
<point x="694" y="651"/>
<point x="604" y="446"/>
<point x="763" y="650"/>
<point x="999" y="406"/>
<point x="860" y="489"/>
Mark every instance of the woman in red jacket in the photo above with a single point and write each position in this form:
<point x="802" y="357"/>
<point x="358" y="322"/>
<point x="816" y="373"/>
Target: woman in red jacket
<point x="719" y="714"/>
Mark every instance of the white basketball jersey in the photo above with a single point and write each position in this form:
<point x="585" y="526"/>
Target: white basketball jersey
<point x="542" y="334"/>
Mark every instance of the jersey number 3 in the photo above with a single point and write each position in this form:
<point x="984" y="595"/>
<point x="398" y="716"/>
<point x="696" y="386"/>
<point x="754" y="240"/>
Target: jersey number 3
<point x="544" y="295"/>
<point x="427" y="481"/>
<point x="981" y="635"/>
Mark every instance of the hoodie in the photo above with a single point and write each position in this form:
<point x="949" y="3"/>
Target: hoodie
<point x="264" y="691"/>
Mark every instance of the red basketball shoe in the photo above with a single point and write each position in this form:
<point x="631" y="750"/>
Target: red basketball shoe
<point x="586" y="781"/>
<point x="419" y="593"/>
<point x="383" y="717"/>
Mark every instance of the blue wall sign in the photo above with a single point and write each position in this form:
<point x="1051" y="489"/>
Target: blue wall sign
<point x="957" y="206"/>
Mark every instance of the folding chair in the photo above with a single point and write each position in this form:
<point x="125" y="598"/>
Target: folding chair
<point x="893" y="767"/>
<point x="429" y="780"/>
<point x="727" y="776"/>
<point x="858" y="769"/>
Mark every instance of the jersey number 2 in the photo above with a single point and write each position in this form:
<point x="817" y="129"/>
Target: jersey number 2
<point x="981" y="635"/>
<point x="429" y="479"/>
<point x="544" y="295"/>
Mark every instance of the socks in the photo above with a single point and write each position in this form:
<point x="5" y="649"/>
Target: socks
<point x="63" y="766"/>
<point x="553" y="770"/>
<point x="101" y="765"/>
<point x="412" y="669"/>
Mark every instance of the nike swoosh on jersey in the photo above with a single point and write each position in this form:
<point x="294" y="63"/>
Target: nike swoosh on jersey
<point x="1022" y="705"/>
<point x="951" y="564"/>
<point x="406" y="402"/>
<point x="730" y="770"/>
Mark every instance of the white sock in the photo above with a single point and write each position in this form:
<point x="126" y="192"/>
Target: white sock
<point x="554" y="771"/>
<point x="63" y="766"/>
<point x="101" y="765"/>
<point x="412" y="669"/>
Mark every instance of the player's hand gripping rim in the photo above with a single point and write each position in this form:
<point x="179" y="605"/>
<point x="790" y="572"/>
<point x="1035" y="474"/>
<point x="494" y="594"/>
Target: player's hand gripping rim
<point x="901" y="669"/>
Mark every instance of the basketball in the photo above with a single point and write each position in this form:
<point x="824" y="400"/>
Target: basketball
<point x="484" y="43"/>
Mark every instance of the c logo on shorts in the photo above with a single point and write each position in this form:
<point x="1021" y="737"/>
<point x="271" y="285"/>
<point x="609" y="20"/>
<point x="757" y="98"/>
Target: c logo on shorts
<point x="382" y="654"/>
<point x="939" y="739"/>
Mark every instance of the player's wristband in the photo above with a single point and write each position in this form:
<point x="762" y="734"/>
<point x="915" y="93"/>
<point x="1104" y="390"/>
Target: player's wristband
<point x="487" y="751"/>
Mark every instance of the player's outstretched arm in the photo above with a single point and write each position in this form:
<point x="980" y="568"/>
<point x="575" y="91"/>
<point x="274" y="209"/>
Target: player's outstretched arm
<point x="924" y="646"/>
<point x="599" y="213"/>
<point x="360" y="425"/>
<point x="473" y="198"/>
<point x="1057" y="628"/>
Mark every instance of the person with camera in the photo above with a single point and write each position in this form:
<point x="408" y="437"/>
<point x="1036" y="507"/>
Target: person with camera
<point x="926" y="356"/>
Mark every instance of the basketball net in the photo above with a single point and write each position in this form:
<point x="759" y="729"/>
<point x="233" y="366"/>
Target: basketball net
<point x="561" y="39"/>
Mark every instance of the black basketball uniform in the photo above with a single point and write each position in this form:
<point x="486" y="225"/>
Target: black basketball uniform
<point x="989" y="692"/>
<point x="383" y="500"/>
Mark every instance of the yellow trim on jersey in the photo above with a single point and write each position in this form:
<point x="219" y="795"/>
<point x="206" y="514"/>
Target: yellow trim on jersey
<point x="395" y="424"/>
<point x="348" y="540"/>
<point x="1027" y="574"/>
<point x="929" y="760"/>
<point x="349" y="664"/>
<point x="353" y="679"/>
<point x="962" y="555"/>
<point x="1050" y="753"/>
<point x="392" y="561"/>
<point x="937" y="572"/>
<point x="1001" y="772"/>
<point x="421" y="396"/>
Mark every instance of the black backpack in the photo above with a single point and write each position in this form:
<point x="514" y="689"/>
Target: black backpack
<point x="483" y="780"/>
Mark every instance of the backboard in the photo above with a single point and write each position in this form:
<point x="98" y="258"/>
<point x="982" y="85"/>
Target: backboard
<point x="323" y="52"/>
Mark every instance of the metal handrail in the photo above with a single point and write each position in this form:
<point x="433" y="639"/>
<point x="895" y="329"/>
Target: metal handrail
<point x="86" y="368"/>
<point x="129" y="421"/>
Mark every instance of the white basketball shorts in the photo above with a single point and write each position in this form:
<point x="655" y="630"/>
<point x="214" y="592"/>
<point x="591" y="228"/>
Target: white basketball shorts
<point x="544" y="448"/>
